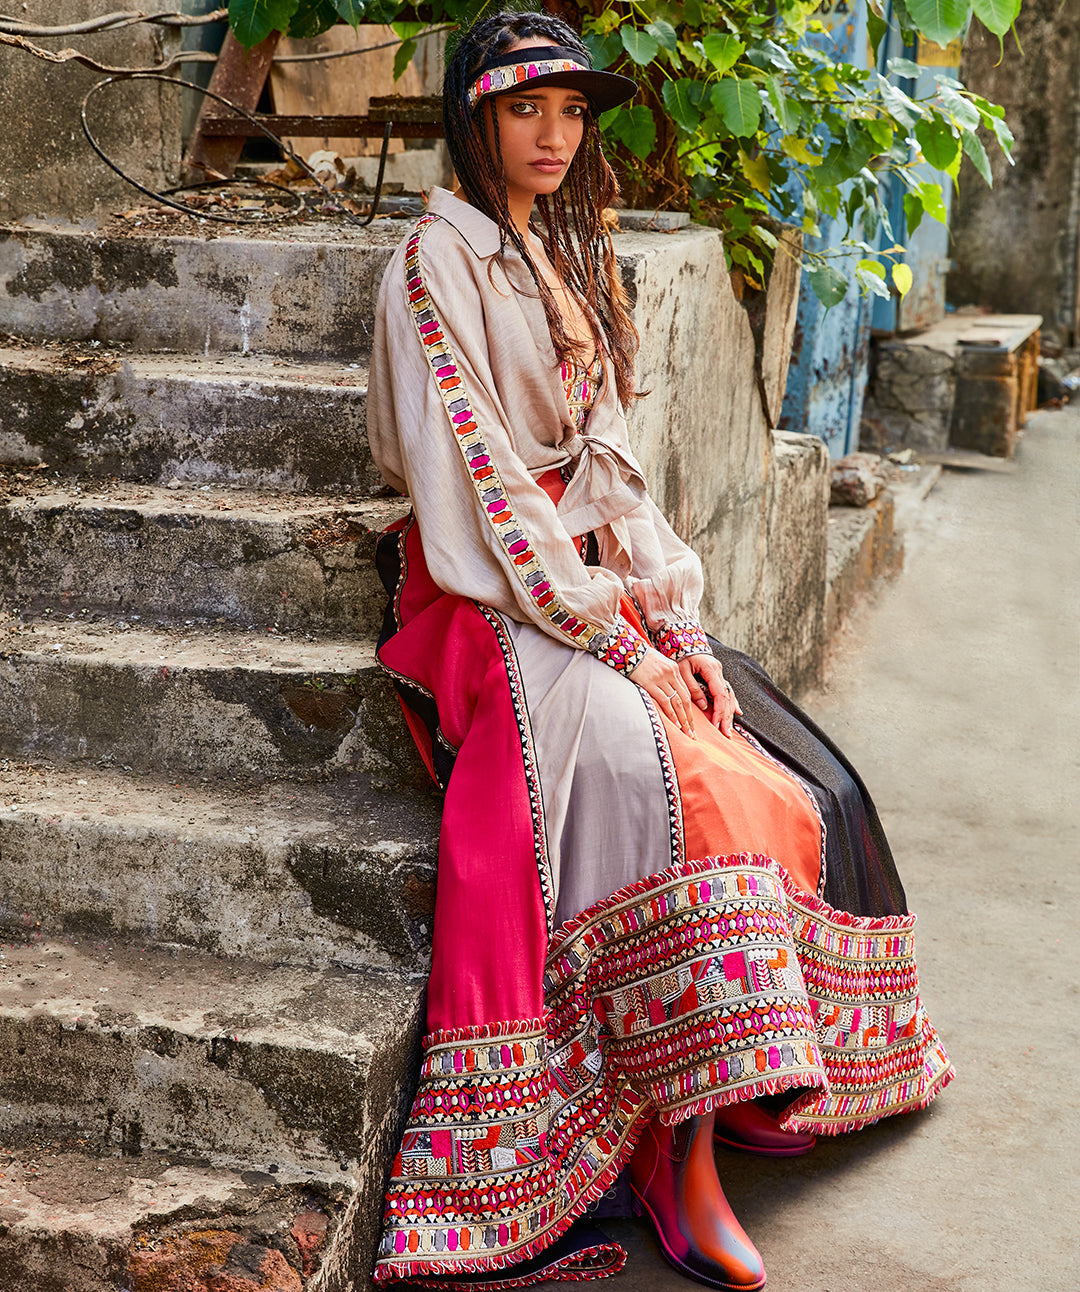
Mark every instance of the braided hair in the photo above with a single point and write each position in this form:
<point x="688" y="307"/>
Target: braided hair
<point x="575" y="236"/>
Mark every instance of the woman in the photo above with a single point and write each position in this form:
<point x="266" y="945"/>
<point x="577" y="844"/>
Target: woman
<point x="658" y="919"/>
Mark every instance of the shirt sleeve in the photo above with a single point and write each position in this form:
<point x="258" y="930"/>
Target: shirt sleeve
<point x="490" y="532"/>
<point x="666" y="582"/>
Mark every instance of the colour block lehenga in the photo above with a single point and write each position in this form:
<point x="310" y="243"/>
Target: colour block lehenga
<point x="628" y="922"/>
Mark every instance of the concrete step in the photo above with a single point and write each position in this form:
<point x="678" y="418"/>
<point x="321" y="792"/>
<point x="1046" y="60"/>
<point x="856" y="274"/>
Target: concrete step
<point x="289" y="872"/>
<point x="77" y="1218"/>
<point x="252" y="557"/>
<point x="152" y="1049"/>
<point x="302" y="292"/>
<point x="213" y="701"/>
<point x="96" y="411"/>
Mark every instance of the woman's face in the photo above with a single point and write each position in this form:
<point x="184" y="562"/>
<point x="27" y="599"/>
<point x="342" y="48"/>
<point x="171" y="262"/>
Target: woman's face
<point x="540" y="130"/>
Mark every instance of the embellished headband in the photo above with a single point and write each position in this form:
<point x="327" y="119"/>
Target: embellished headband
<point x="550" y="65"/>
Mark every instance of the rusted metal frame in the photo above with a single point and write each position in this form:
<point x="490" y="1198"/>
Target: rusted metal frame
<point x="238" y="76"/>
<point x="226" y="125"/>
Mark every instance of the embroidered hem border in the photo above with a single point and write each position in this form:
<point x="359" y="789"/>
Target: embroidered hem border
<point x="707" y="983"/>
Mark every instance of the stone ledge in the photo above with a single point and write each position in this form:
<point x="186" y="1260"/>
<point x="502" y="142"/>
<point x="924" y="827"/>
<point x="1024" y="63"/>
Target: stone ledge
<point x="228" y="420"/>
<point x="863" y="547"/>
<point x="181" y="1051"/>
<point x="290" y="872"/>
<point x="219" y="702"/>
<point x="255" y="560"/>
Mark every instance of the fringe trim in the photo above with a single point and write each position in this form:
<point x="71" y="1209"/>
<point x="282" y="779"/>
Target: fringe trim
<point x="736" y="861"/>
<point x="514" y="1029"/>
<point x="842" y="1126"/>
<point x="611" y="1254"/>
<point x="401" y="1268"/>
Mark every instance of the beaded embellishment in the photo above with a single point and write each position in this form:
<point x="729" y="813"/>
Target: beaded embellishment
<point x="676" y="641"/>
<point x="620" y="647"/>
<point x="582" y="385"/>
<point x="505" y="78"/>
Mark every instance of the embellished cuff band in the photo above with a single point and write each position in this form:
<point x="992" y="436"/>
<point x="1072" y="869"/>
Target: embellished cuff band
<point x="622" y="649"/>
<point x="676" y="641"/>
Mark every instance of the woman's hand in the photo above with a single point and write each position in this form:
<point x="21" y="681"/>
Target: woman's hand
<point x="716" y="696"/>
<point x="666" y="685"/>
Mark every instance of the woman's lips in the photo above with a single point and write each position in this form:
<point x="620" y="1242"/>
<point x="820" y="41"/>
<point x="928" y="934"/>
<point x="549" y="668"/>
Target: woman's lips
<point x="548" y="165"/>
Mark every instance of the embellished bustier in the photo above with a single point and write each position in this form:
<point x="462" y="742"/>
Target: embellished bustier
<point x="582" y="383"/>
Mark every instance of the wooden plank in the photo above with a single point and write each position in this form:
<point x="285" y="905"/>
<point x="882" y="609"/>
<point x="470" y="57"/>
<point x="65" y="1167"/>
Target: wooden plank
<point x="344" y="86"/>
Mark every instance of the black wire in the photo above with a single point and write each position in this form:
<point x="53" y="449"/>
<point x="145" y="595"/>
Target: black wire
<point x="163" y="197"/>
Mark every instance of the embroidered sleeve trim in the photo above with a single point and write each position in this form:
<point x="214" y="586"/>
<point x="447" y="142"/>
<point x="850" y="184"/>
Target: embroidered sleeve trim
<point x="677" y="641"/>
<point x="617" y="646"/>
<point x="623" y="649"/>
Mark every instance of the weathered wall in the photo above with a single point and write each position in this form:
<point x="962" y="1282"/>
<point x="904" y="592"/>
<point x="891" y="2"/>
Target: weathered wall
<point x="47" y="169"/>
<point x="1015" y="246"/>
<point x="752" y="504"/>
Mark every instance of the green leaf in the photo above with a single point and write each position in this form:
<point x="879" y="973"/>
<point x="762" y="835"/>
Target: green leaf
<point x="897" y="104"/>
<point x="785" y="113"/>
<point x="933" y="201"/>
<point x="962" y="110"/>
<point x="634" y="127"/>
<point x="881" y="132"/>
<point x="766" y="236"/>
<point x="351" y="11"/>
<point x="871" y="277"/>
<point x="902" y="278"/>
<point x="403" y="58"/>
<point x="997" y="15"/>
<point x="904" y="67"/>
<point x="663" y="33"/>
<point x="739" y="104"/>
<point x="993" y="115"/>
<point x="722" y="51"/>
<point x="691" y="51"/>
<point x="876" y="29"/>
<point x="938" y="143"/>
<point x="682" y="98"/>
<point x="756" y="170"/>
<point x="603" y="49"/>
<point x="312" y="19"/>
<point x="799" y="150"/>
<point x="641" y="47"/>
<point x="253" y="20"/>
<point x="974" y="148"/>
<point x="913" y="211"/>
<point x="940" y="20"/>
<point x="829" y="285"/>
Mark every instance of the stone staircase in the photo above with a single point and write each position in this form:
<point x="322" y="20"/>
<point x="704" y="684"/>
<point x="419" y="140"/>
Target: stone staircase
<point x="217" y="848"/>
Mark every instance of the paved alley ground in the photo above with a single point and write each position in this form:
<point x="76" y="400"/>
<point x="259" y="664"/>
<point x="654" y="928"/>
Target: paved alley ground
<point x="957" y="695"/>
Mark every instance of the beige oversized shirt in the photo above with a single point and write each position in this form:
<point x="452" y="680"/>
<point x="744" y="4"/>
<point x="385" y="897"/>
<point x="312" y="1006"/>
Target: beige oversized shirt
<point x="467" y="408"/>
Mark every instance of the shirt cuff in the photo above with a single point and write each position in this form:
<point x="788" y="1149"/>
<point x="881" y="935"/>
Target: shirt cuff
<point x="677" y="641"/>
<point x="622" y="649"/>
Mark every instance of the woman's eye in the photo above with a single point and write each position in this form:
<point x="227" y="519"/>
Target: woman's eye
<point x="522" y="109"/>
<point x="576" y="110"/>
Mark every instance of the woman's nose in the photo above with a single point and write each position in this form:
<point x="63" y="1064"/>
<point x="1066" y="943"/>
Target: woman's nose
<point x="552" y="132"/>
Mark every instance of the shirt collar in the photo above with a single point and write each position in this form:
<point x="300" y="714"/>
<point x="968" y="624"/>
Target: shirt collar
<point x="480" y="232"/>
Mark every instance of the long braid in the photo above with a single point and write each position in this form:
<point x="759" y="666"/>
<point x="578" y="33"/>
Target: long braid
<point x="576" y="238"/>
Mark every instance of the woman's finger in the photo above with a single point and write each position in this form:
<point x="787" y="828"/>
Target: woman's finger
<point x="679" y="707"/>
